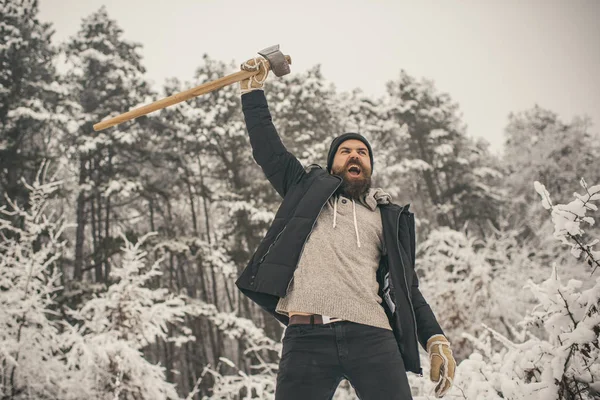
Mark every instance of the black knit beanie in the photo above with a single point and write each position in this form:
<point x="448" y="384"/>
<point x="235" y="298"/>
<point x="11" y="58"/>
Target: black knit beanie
<point x="335" y="143"/>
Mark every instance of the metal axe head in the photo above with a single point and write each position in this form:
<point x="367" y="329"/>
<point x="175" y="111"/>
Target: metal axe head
<point x="277" y="61"/>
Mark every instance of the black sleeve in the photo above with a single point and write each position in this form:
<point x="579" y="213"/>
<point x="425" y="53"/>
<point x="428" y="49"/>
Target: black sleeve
<point x="427" y="324"/>
<point x="280" y="166"/>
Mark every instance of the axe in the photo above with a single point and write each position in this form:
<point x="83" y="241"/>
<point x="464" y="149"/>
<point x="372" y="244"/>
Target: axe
<point x="277" y="62"/>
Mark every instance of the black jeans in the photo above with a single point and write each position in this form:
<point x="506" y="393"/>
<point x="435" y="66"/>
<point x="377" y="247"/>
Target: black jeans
<point x="315" y="358"/>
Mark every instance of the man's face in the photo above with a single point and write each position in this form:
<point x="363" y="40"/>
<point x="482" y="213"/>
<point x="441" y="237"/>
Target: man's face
<point x="352" y="163"/>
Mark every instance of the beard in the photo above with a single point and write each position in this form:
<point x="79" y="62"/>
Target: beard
<point x="353" y="187"/>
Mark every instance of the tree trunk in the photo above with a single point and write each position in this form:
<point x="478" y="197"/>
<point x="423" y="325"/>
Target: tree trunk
<point x="168" y="354"/>
<point x="192" y="207"/>
<point x="230" y="299"/>
<point x="80" y="230"/>
<point x="95" y="221"/>
<point x="107" y="224"/>
<point x="204" y="297"/>
<point x="205" y="202"/>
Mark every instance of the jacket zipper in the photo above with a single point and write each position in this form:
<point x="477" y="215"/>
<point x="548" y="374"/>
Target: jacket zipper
<point x="274" y="241"/>
<point x="408" y="292"/>
<point x="307" y="236"/>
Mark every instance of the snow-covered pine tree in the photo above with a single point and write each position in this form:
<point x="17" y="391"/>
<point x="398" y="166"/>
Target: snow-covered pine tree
<point x="105" y="76"/>
<point x="31" y="98"/>
<point x="540" y="146"/>
<point x="452" y="177"/>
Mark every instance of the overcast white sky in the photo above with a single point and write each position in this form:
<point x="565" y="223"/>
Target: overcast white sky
<point x="491" y="56"/>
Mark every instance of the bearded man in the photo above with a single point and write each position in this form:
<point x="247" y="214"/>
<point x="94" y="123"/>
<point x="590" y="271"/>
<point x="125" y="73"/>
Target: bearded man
<point x="337" y="268"/>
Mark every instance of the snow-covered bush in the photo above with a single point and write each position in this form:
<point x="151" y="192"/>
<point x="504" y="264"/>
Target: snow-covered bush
<point x="115" y="326"/>
<point x="469" y="281"/>
<point x="41" y="355"/>
<point x="31" y="357"/>
<point x="564" y="364"/>
<point x="457" y="280"/>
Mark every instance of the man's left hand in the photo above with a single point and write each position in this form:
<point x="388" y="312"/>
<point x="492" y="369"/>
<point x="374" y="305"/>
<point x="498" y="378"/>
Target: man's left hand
<point x="442" y="363"/>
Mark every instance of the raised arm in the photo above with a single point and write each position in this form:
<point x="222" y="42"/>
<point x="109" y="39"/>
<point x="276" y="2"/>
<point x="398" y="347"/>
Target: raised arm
<point x="280" y="166"/>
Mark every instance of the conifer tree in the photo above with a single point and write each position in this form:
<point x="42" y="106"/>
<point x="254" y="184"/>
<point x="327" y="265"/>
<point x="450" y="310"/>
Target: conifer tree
<point x="540" y="146"/>
<point x="447" y="173"/>
<point x="105" y="78"/>
<point x="32" y="98"/>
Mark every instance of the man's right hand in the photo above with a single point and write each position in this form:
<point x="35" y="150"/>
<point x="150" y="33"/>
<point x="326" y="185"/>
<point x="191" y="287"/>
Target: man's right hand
<point x="254" y="82"/>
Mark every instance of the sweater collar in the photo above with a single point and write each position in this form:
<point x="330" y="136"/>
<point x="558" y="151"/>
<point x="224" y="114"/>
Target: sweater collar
<point x="374" y="197"/>
<point x="370" y="200"/>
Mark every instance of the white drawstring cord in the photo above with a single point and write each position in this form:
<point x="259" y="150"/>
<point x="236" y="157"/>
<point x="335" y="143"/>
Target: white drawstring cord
<point x="355" y="224"/>
<point x="335" y="200"/>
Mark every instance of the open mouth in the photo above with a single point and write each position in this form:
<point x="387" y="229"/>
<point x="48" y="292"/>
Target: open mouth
<point x="354" y="170"/>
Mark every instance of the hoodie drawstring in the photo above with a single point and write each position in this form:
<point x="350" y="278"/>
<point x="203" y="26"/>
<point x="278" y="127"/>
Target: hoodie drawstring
<point x="354" y="214"/>
<point x="334" y="210"/>
<point x="355" y="224"/>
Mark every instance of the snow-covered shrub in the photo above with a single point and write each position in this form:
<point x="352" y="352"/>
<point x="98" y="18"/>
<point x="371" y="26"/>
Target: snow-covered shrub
<point x="567" y="221"/>
<point x="31" y="357"/>
<point x="117" y="324"/>
<point x="457" y="281"/>
<point x="41" y="355"/>
<point x="564" y="364"/>
<point x="469" y="281"/>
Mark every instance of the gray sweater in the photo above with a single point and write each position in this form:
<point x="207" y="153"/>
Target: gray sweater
<point x="336" y="273"/>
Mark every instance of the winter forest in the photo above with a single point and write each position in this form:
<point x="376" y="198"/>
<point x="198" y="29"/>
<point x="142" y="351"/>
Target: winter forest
<point x="119" y="249"/>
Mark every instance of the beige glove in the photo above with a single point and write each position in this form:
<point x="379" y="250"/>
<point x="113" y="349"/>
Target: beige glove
<point x="254" y="82"/>
<point x="442" y="363"/>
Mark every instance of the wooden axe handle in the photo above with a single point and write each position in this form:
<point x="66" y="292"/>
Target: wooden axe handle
<point x="178" y="98"/>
